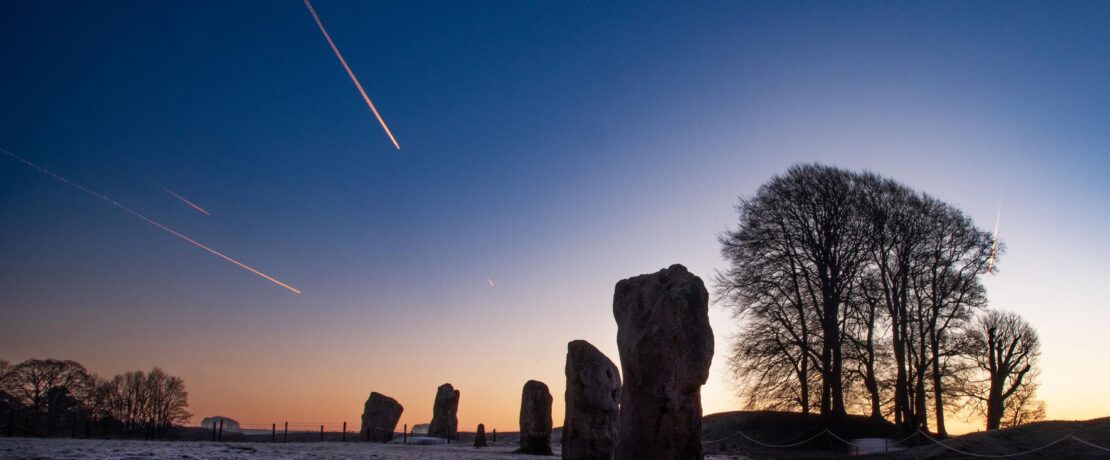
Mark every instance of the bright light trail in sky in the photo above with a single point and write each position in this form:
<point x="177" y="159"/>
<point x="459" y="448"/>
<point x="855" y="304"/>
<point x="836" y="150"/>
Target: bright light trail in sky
<point x="351" y="74"/>
<point x="183" y="200"/>
<point x="148" y="220"/>
<point x="490" y="281"/>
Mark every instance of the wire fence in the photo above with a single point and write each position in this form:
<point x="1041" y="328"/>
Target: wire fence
<point x="857" y="448"/>
<point x="301" y="431"/>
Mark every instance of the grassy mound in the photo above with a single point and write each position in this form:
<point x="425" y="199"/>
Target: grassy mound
<point x="720" y="433"/>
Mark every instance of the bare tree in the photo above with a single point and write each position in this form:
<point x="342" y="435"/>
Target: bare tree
<point x="948" y="289"/>
<point x="166" y="400"/>
<point x="771" y="368"/>
<point x="867" y="343"/>
<point x="857" y="284"/>
<point x="897" y="232"/>
<point x="48" y="387"/>
<point x="1023" y="406"/>
<point x="800" y="241"/>
<point x="1006" y="349"/>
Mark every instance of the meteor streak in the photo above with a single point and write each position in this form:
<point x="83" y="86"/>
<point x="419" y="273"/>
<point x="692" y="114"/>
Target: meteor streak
<point x="490" y="281"/>
<point x="148" y="220"/>
<point x="994" y="241"/>
<point x="351" y="74"/>
<point x="183" y="200"/>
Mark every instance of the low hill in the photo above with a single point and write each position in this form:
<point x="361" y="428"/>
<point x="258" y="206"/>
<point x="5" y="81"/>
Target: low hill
<point x="1034" y="436"/>
<point x="768" y="434"/>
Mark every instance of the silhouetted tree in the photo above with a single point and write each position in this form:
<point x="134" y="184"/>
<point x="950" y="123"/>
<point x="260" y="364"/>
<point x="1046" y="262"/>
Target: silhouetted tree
<point x="1006" y="349"/>
<point x="800" y="241"/>
<point x="138" y="400"/>
<point x="53" y="393"/>
<point x="858" y="283"/>
<point x="48" y="387"/>
<point x="868" y="344"/>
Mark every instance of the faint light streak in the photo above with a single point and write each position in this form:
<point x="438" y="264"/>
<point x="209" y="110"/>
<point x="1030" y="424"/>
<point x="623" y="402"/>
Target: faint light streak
<point x="351" y="74"/>
<point x="994" y="240"/>
<point x="149" y="220"/>
<point x="490" y="280"/>
<point x="183" y="200"/>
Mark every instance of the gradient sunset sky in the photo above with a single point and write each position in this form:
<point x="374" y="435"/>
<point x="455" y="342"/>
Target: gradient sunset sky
<point x="553" y="147"/>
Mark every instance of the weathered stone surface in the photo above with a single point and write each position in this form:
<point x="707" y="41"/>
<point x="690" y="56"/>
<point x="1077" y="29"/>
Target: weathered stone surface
<point x="379" y="418"/>
<point x="592" y="398"/>
<point x="480" y="436"/>
<point x="666" y="346"/>
<point x="445" y="419"/>
<point x="535" y="419"/>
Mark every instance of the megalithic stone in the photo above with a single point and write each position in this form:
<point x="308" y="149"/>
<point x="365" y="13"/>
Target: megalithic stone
<point x="380" y="415"/>
<point x="480" y="437"/>
<point x="535" y="419"/>
<point x="592" y="400"/>
<point x="445" y="419"/>
<point x="666" y="346"/>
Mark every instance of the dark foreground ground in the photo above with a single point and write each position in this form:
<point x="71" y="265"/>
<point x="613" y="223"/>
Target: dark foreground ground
<point x="763" y="434"/>
<point x="731" y="435"/>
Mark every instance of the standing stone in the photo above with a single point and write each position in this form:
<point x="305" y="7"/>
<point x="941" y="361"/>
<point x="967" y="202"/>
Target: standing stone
<point x="379" y="418"/>
<point x="480" y="436"/>
<point x="592" y="398"/>
<point x="535" y="419"/>
<point x="666" y="346"/>
<point x="445" y="419"/>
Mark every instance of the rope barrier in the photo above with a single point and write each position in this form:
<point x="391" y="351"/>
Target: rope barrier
<point x="926" y="435"/>
<point x="1096" y="446"/>
<point x="973" y="454"/>
<point x="845" y="441"/>
<point x="776" y="446"/>
<point x="907" y="438"/>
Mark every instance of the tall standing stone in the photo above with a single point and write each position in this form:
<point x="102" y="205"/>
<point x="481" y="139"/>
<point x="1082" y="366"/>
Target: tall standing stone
<point x="445" y="419"/>
<point x="480" y="437"/>
<point x="666" y="346"/>
<point x="592" y="401"/>
<point x="379" y="418"/>
<point x="535" y="419"/>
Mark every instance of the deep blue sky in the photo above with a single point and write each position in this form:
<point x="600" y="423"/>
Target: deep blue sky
<point x="556" y="147"/>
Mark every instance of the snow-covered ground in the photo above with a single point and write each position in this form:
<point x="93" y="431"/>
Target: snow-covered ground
<point x="12" y="448"/>
<point x="129" y="449"/>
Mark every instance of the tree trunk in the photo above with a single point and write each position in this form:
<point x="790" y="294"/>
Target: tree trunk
<point x="994" y="404"/>
<point x="938" y="395"/>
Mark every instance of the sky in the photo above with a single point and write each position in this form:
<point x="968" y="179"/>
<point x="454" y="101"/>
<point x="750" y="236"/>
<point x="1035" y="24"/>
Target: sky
<point x="554" y="148"/>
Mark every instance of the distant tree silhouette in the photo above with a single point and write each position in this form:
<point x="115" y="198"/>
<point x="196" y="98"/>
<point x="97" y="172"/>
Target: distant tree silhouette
<point x="141" y="401"/>
<point x="1006" y="348"/>
<point x="50" y="393"/>
<point x="48" y="388"/>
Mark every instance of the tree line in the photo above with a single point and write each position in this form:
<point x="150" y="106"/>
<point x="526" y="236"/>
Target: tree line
<point x="858" y="294"/>
<point x="47" y="396"/>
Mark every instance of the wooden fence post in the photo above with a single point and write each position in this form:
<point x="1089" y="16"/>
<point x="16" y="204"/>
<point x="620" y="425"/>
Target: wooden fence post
<point x="221" y="436"/>
<point x="321" y="433"/>
<point x="406" y="434"/>
<point x="273" y="432"/>
<point x="213" y="431"/>
<point x="285" y="434"/>
<point x="344" y="437"/>
<point x="495" y="435"/>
